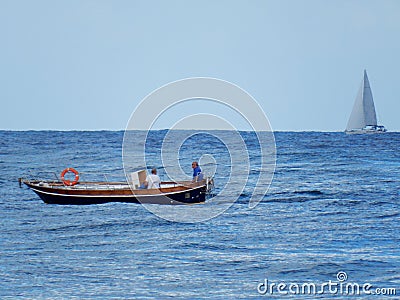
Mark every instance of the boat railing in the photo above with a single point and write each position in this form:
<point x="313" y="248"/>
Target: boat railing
<point x="41" y="175"/>
<point x="108" y="185"/>
<point x="54" y="178"/>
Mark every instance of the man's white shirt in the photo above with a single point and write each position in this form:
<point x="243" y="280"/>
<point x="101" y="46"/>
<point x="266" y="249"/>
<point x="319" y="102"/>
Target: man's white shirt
<point x="153" y="181"/>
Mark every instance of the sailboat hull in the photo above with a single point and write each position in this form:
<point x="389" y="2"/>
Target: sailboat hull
<point x="368" y="130"/>
<point x="364" y="131"/>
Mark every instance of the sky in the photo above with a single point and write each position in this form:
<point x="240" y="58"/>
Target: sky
<point x="87" y="64"/>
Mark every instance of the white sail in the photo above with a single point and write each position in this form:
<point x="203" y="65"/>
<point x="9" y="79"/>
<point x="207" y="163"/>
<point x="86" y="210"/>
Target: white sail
<point x="363" y="114"/>
<point x="369" y="107"/>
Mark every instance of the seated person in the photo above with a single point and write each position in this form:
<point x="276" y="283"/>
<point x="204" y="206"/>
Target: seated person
<point x="152" y="180"/>
<point x="197" y="175"/>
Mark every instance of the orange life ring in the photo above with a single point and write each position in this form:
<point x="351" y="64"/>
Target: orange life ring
<point x="69" y="182"/>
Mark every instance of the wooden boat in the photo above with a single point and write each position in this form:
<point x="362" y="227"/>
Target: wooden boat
<point x="82" y="193"/>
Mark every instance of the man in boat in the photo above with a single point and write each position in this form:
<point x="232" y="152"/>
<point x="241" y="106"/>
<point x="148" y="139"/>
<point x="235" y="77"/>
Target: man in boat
<point x="152" y="180"/>
<point x="197" y="175"/>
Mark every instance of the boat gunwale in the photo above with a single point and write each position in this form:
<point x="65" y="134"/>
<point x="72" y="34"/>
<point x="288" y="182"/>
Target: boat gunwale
<point x="63" y="190"/>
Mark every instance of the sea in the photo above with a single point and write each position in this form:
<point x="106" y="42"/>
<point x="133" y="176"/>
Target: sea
<point x="327" y="225"/>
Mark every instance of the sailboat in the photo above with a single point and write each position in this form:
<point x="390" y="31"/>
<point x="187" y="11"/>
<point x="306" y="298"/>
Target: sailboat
<point x="363" y="117"/>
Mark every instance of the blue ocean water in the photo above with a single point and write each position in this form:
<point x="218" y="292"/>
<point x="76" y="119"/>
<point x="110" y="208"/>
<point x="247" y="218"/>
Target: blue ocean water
<point x="333" y="206"/>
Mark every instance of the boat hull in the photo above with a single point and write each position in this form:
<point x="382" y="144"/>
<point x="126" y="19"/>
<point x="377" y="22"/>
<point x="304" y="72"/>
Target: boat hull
<point x="365" y="131"/>
<point x="58" y="194"/>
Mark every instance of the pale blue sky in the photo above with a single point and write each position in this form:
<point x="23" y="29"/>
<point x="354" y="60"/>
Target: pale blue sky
<point x="86" y="64"/>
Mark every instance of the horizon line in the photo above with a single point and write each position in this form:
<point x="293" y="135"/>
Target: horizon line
<point x="122" y="130"/>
